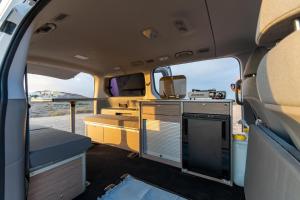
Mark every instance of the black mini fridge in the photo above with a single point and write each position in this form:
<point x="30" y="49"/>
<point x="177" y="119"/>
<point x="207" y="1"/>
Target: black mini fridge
<point x="206" y="146"/>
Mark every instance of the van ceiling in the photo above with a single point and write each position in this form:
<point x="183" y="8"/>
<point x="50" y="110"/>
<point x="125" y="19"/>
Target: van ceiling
<point x="106" y="36"/>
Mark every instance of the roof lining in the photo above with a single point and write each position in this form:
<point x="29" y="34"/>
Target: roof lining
<point x="57" y="49"/>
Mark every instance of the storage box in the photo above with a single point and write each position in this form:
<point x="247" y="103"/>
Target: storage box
<point x="62" y="180"/>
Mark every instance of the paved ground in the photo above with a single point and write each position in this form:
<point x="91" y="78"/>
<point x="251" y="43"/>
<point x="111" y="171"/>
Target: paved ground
<point x="63" y="122"/>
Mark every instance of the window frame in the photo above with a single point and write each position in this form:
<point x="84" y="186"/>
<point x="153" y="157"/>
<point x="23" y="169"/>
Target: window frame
<point x="156" y="93"/>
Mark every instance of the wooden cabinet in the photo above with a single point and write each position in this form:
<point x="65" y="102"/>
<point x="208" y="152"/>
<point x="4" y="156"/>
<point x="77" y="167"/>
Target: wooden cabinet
<point x="63" y="180"/>
<point x="123" y="138"/>
<point x="114" y="133"/>
<point x="161" y="109"/>
<point x="95" y="133"/>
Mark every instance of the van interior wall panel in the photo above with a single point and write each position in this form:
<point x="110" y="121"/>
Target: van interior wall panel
<point x="15" y="122"/>
<point x="234" y="25"/>
<point x="15" y="150"/>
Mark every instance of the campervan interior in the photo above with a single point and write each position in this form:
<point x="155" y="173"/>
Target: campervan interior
<point x="149" y="137"/>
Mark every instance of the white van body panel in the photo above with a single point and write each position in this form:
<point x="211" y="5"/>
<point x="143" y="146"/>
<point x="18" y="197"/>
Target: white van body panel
<point x="13" y="11"/>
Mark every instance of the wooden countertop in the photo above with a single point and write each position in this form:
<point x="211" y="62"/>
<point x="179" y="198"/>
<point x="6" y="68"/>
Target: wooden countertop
<point x="114" y="120"/>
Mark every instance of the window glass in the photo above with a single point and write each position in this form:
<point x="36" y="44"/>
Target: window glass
<point x="216" y="74"/>
<point x="128" y="85"/>
<point x="56" y="115"/>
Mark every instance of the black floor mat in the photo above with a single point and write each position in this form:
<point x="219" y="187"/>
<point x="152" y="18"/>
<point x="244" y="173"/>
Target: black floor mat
<point x="106" y="164"/>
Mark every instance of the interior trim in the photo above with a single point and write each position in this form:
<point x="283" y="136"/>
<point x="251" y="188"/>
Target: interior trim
<point x="211" y="28"/>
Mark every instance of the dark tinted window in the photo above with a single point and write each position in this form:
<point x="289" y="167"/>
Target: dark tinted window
<point x="127" y="85"/>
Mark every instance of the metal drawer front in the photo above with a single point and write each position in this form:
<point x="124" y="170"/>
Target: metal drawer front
<point x="206" y="107"/>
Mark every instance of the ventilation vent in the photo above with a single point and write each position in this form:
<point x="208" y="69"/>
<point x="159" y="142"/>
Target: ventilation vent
<point x="137" y="63"/>
<point x="46" y="28"/>
<point x="184" y="54"/>
<point x="203" y="50"/>
<point x="181" y="26"/>
<point x="150" y="61"/>
<point x="60" y="17"/>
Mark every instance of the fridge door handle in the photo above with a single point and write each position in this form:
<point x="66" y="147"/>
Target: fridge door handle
<point x="223" y="130"/>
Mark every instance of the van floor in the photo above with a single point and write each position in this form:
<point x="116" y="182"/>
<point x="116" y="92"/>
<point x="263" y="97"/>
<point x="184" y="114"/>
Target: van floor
<point x="106" y="164"/>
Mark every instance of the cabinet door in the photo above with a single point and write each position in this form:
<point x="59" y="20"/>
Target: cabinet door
<point x="161" y="139"/>
<point x="122" y="138"/>
<point x="95" y="133"/>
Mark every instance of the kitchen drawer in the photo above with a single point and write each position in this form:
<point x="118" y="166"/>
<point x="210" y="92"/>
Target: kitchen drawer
<point x="207" y="107"/>
<point x="161" y="109"/>
<point x="166" y="118"/>
<point x="95" y="133"/>
<point x="122" y="138"/>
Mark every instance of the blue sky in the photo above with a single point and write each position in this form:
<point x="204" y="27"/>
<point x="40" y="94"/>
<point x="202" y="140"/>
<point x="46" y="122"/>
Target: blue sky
<point x="81" y="84"/>
<point x="210" y="74"/>
<point x="218" y="74"/>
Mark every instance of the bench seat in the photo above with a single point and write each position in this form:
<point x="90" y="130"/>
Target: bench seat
<point x="57" y="163"/>
<point x="48" y="146"/>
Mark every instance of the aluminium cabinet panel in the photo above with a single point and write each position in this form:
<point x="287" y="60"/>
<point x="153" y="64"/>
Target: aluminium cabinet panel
<point x="162" y="139"/>
<point x="207" y="107"/>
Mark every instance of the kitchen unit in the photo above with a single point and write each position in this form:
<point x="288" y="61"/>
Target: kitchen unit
<point x="192" y="135"/>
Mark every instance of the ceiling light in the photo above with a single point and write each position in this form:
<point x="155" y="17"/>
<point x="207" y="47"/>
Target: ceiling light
<point x="137" y="63"/>
<point x="150" y="61"/>
<point x="80" y="57"/>
<point x="46" y="28"/>
<point x="163" y="58"/>
<point x="60" y="17"/>
<point x="184" y="54"/>
<point x="150" y="33"/>
<point x="181" y="26"/>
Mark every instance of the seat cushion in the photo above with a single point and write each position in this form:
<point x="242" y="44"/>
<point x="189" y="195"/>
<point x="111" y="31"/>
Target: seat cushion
<point x="278" y="85"/>
<point x="115" y="120"/>
<point x="272" y="172"/>
<point x="48" y="146"/>
<point x="36" y="127"/>
<point x="131" y="188"/>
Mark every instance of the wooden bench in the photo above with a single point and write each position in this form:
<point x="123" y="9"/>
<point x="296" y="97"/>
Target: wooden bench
<point x="57" y="164"/>
<point x="116" y="130"/>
